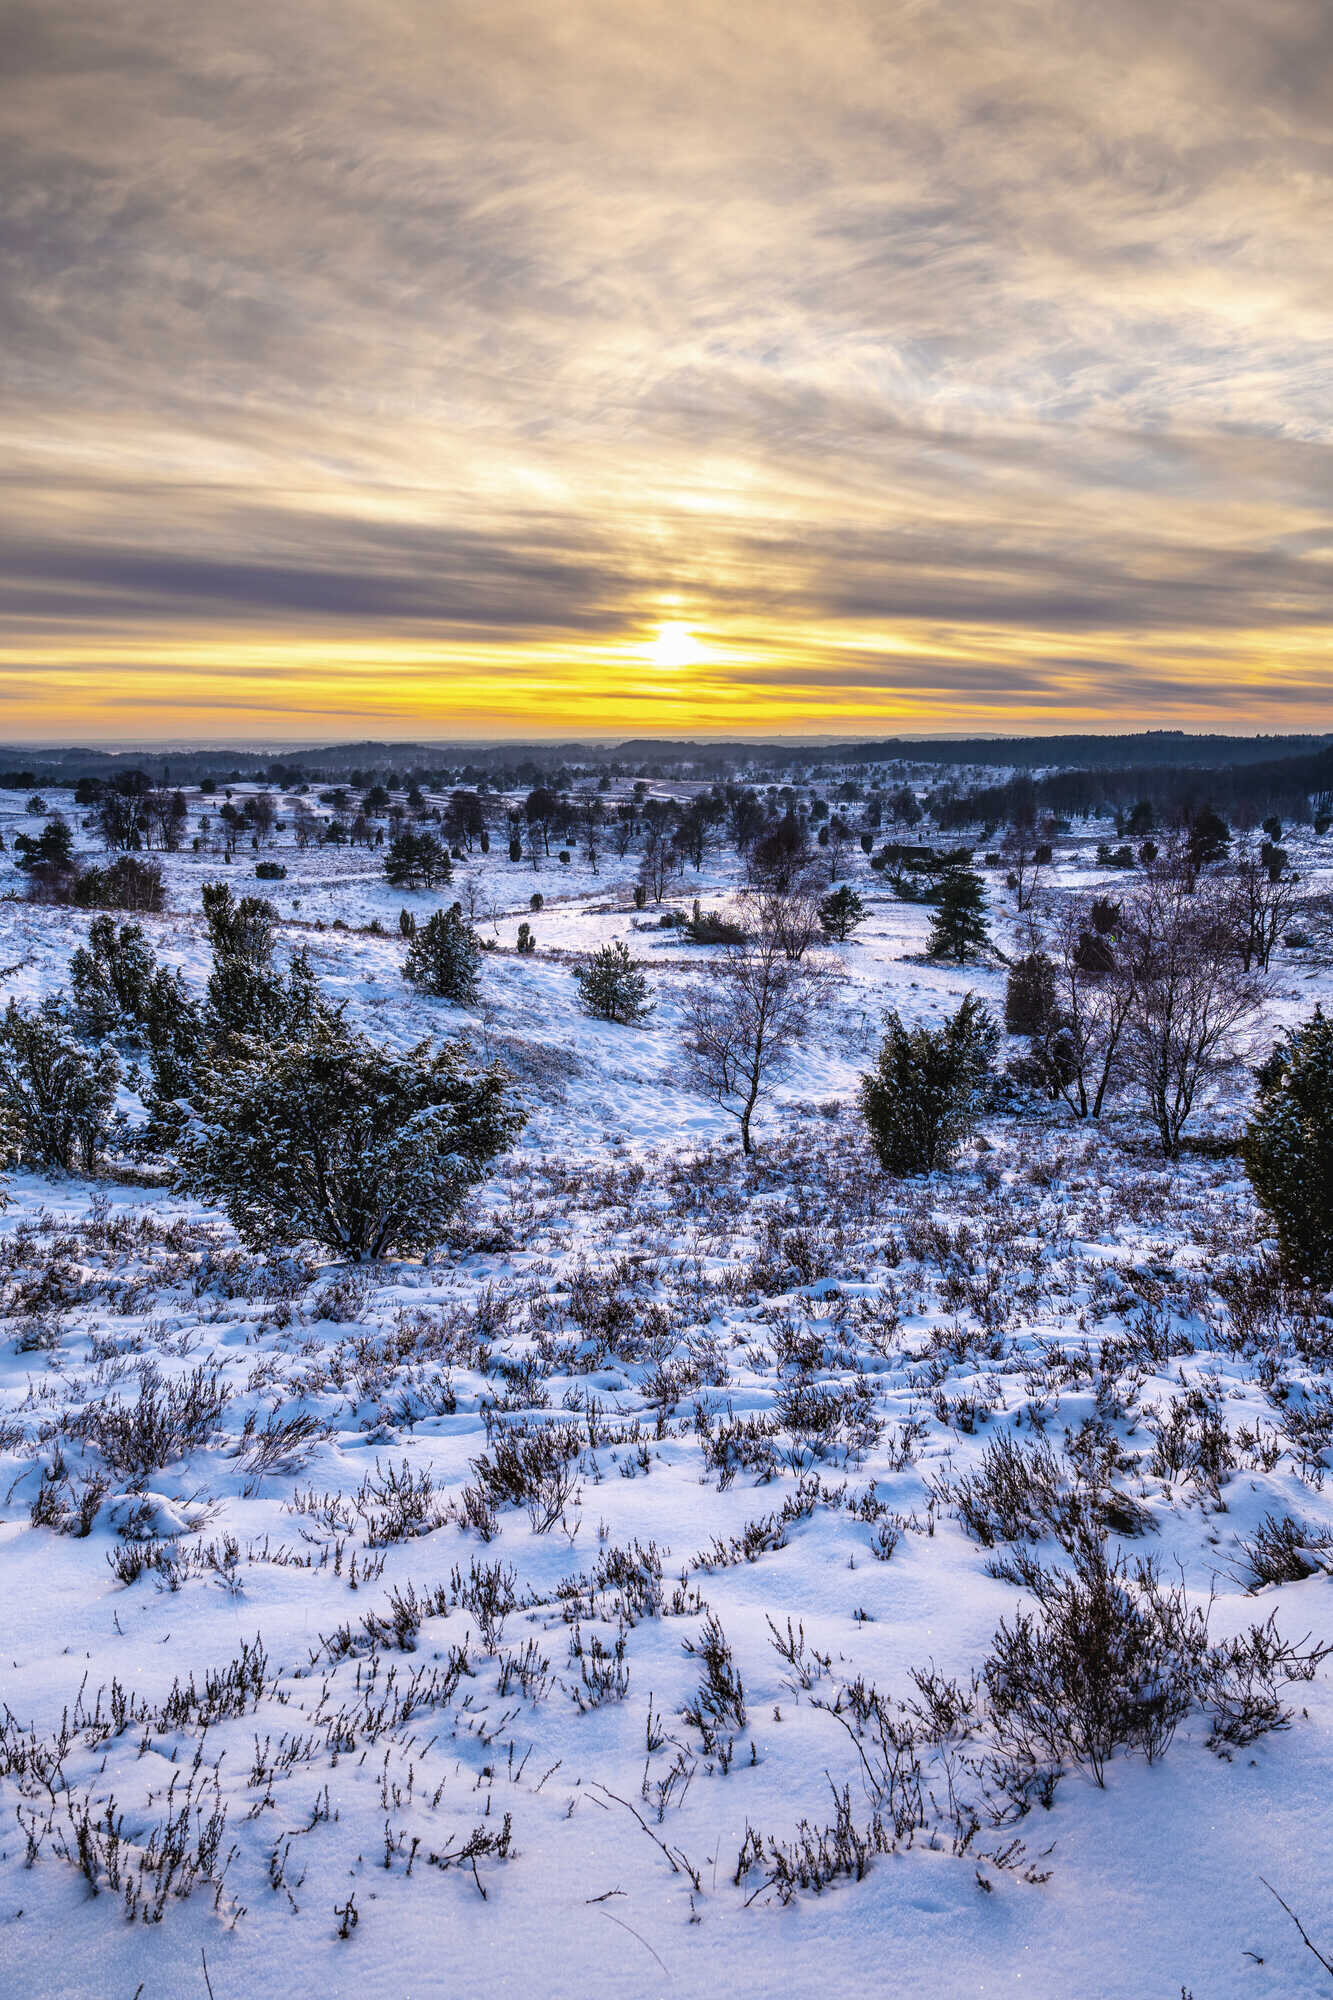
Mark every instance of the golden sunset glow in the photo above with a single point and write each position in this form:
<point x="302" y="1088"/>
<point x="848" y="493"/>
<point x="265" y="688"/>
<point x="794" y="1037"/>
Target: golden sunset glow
<point x="595" y="370"/>
<point x="675" y="646"/>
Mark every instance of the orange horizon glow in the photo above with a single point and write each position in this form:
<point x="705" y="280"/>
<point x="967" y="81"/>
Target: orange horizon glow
<point x="258" y="686"/>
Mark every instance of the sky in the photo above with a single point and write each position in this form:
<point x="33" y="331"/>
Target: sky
<point x="707" y="367"/>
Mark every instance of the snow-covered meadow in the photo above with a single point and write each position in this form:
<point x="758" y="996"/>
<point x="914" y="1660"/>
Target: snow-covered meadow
<point x="609" y="1605"/>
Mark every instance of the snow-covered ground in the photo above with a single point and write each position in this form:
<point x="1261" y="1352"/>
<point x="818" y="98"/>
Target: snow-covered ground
<point x="408" y="1760"/>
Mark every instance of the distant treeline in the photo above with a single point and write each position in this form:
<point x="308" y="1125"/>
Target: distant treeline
<point x="1070" y="773"/>
<point x="1289" y="786"/>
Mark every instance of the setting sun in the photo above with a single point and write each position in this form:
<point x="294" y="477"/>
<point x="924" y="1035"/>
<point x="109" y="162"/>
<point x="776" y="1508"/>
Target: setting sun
<point x="674" y="646"/>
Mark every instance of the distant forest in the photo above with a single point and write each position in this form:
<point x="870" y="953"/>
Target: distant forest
<point x="1063" y="775"/>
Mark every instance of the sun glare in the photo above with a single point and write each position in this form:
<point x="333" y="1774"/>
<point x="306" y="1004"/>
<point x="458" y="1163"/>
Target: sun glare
<point x="674" y="646"/>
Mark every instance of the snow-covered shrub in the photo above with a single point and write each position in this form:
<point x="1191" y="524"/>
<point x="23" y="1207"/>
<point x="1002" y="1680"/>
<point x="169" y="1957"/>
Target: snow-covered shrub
<point x="1029" y="994"/>
<point x="1289" y="1147"/>
<point x="56" y="1096"/>
<point x="166" y="1420"/>
<point x="109" y="977"/>
<point x="1110" y="1662"/>
<point x="718" y="1708"/>
<point x="327" y="1137"/>
<point x="922" y="1097"/>
<point x="536" y="1468"/>
<point x="245" y="993"/>
<point x="614" y="987"/>
<point x="443" y="957"/>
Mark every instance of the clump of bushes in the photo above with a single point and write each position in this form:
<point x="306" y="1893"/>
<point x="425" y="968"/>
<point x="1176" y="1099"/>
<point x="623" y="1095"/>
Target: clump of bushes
<point x="926" y="1090"/>
<point x="123" y="884"/>
<point x="707" y="927"/>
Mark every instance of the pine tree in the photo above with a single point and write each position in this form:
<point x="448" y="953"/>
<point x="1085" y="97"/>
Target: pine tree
<point x="614" y="987"/>
<point x="53" y="848"/>
<point x="922" y="1097"/>
<point x="443" y="957"/>
<point x="958" y="927"/>
<point x="1289" y="1147"/>
<point x="417" y="861"/>
<point x="326" y="1137"/>
<point x="840" y="913"/>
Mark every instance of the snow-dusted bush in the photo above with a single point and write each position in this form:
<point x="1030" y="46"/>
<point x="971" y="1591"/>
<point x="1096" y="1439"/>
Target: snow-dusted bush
<point x="614" y="987"/>
<point x="1115" y="1659"/>
<point x="922" y="1097"/>
<point x="326" y="1137"/>
<point x="443" y="957"/>
<point x="1107" y="1663"/>
<point x="109" y="977"/>
<point x="1029" y="994"/>
<point x="1289" y="1147"/>
<point x="56" y="1096"/>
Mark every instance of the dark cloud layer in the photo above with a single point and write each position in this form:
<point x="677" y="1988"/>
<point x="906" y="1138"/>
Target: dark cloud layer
<point x="990" y="345"/>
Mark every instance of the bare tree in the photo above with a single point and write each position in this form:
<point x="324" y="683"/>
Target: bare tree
<point x="262" y="812"/>
<point x="1264" y="895"/>
<point x="837" y="845"/>
<point x="1190" y="995"/>
<point x="591" y="817"/>
<point x="1024" y="853"/>
<point x="1077" y="1037"/>
<point x="655" y="869"/>
<point x="786" y="911"/>
<point x="744" y="1023"/>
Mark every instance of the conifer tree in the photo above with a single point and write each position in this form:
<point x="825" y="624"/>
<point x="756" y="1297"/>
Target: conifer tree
<point x="443" y="957"/>
<point x="1289" y="1147"/>
<point x="110" y="976"/>
<point x="56" y="1096"/>
<point x="922" y="1097"/>
<point x="324" y="1136"/>
<point x="840" y="913"/>
<point x="614" y="987"/>
<point x="417" y="861"/>
<point x="958" y="926"/>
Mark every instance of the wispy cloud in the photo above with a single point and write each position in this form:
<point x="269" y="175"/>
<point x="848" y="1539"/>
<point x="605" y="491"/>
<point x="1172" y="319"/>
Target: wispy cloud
<point x="933" y="361"/>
